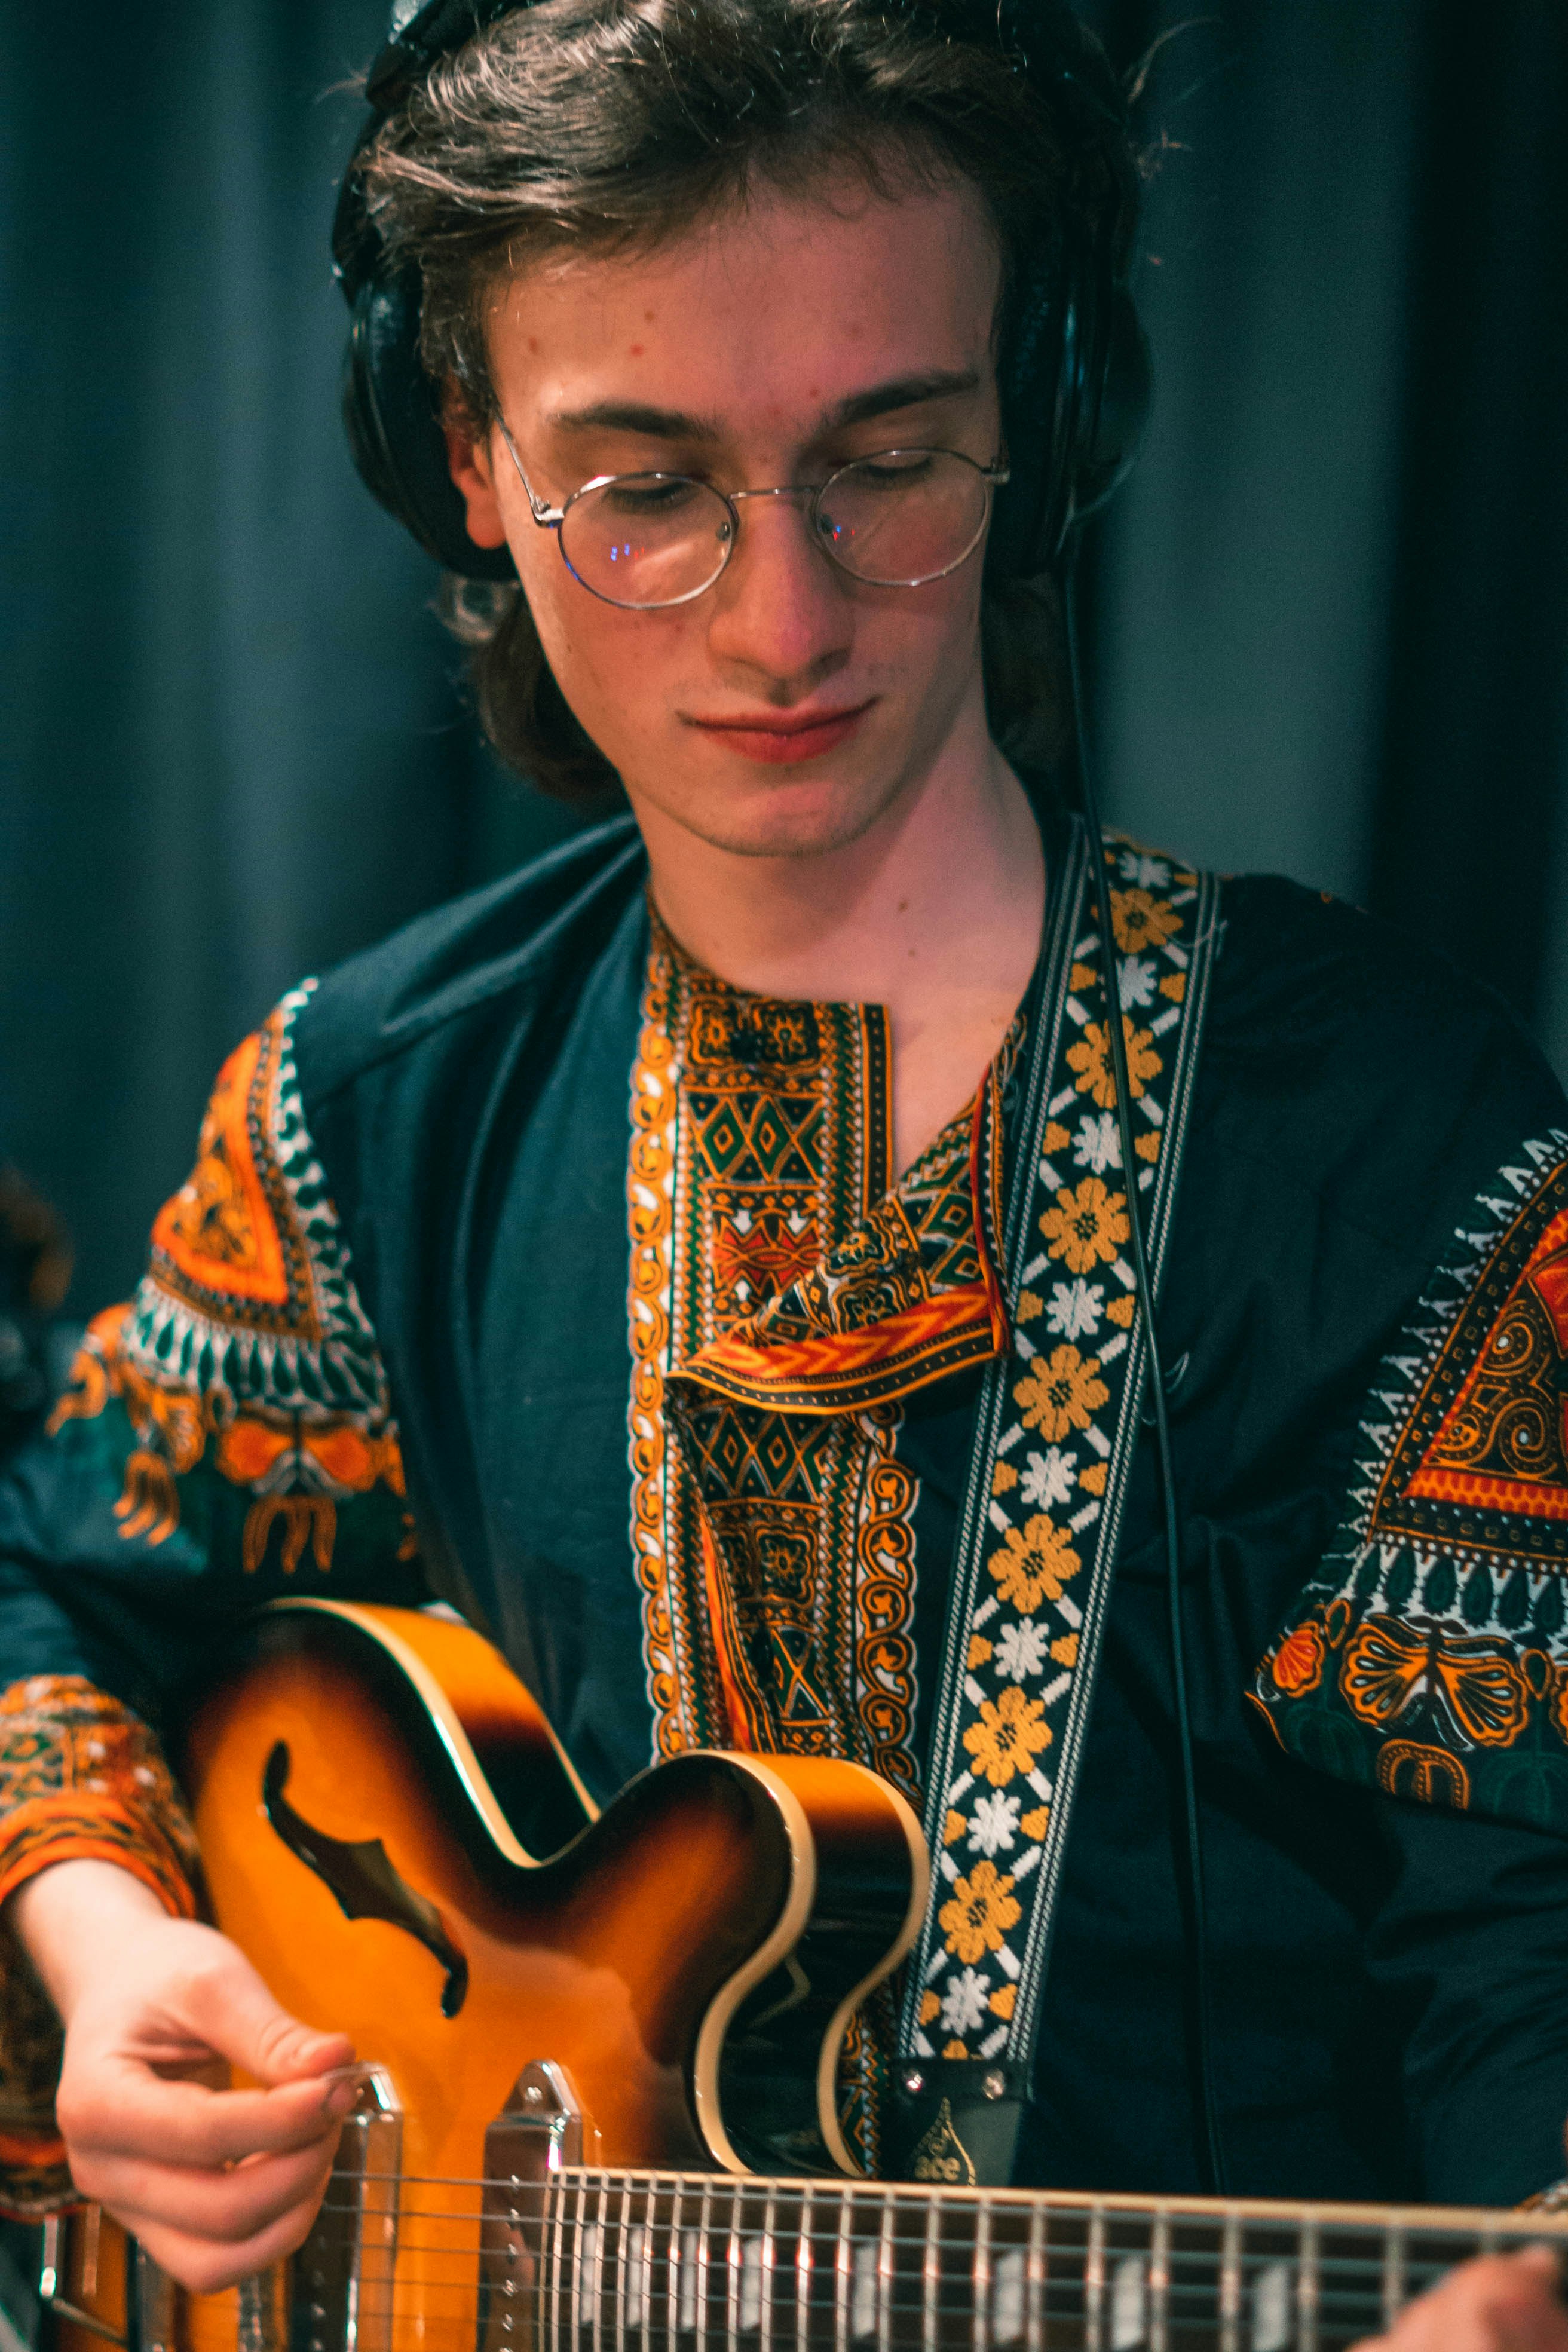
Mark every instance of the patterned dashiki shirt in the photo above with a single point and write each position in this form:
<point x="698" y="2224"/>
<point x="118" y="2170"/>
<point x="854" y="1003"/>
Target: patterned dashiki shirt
<point x="527" y="1266"/>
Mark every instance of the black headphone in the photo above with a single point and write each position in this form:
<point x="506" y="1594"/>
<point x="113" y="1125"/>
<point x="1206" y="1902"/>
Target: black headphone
<point x="1074" y="376"/>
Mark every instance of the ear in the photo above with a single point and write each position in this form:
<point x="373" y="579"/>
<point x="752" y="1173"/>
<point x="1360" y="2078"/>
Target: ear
<point x="469" y="464"/>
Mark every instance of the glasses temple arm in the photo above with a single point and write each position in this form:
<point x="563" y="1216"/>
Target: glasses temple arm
<point x="546" y="515"/>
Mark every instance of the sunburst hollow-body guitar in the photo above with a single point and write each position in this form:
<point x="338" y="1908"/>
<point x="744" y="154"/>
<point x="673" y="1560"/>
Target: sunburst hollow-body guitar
<point x="599" y="2058"/>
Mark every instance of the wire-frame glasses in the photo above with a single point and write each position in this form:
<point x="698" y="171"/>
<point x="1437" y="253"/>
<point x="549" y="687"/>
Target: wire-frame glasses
<point x="898" y="519"/>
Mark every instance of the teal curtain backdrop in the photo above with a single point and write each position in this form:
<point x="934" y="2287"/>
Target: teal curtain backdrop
<point x="1328" y="617"/>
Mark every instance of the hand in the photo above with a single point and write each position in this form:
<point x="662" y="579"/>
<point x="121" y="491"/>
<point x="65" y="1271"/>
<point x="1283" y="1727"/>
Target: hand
<point x="215" y="2183"/>
<point x="1502" y="2303"/>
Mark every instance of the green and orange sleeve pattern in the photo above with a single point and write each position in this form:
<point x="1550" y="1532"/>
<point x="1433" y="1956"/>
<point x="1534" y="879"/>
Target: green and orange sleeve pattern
<point x="225" y="1435"/>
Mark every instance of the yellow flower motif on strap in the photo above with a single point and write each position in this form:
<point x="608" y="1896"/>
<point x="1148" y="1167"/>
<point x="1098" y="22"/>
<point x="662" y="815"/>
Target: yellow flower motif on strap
<point x="1062" y="1394"/>
<point x="1140" y="920"/>
<point x="1091" y="1058"/>
<point x="1036" y="1561"/>
<point x="1009" y="1736"/>
<point x="980" y="1911"/>
<point x="1088" y="1226"/>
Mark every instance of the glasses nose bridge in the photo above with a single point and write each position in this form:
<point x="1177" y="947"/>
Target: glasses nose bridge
<point x="784" y="490"/>
<point x="800" y="493"/>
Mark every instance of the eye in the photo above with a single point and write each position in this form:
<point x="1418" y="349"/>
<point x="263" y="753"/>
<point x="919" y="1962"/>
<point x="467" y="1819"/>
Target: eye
<point x="893" y="470"/>
<point x="645" y="498"/>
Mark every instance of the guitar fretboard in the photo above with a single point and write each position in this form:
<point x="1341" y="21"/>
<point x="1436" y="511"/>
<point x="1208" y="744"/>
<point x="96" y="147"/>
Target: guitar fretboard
<point x="612" y="2261"/>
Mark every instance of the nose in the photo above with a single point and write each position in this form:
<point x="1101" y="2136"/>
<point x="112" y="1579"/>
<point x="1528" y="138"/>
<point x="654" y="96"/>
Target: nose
<point x="782" y="610"/>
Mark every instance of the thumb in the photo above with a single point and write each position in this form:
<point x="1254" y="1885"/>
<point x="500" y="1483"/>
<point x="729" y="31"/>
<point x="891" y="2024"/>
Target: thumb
<point x="237" y="2015"/>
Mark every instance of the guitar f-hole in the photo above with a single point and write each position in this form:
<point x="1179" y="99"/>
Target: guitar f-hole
<point x="362" y="1879"/>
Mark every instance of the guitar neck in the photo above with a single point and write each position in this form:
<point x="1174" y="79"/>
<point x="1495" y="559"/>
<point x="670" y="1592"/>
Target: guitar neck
<point x="615" y="2260"/>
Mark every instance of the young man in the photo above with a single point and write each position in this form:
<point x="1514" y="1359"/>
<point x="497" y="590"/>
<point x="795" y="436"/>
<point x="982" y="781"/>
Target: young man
<point x="724" y="1225"/>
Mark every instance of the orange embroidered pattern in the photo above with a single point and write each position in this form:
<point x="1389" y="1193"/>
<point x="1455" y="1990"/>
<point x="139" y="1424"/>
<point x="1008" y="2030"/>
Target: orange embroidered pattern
<point x="780" y="1303"/>
<point x="1429" y="1656"/>
<point x="80" y="1779"/>
<point x="246" y="1352"/>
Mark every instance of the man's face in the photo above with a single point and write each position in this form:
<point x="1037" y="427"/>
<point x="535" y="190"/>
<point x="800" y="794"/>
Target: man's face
<point x="786" y="709"/>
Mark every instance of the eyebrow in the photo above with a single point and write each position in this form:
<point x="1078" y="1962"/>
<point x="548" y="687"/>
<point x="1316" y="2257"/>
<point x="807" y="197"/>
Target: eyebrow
<point x="677" y="424"/>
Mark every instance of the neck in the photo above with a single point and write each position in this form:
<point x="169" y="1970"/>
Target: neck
<point x="933" y="911"/>
<point x="952" y="861"/>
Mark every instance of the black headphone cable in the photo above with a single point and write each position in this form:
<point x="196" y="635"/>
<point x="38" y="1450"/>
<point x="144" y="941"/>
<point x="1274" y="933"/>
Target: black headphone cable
<point x="1210" y="2145"/>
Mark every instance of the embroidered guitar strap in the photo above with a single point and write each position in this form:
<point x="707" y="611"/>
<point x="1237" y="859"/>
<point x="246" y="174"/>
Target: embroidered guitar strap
<point x="1057" y="1427"/>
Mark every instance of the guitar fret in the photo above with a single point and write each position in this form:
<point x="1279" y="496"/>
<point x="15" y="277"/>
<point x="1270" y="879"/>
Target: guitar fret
<point x="622" y="2282"/>
<point x="1094" y="2284"/>
<point x="700" y="2268"/>
<point x="803" y="2268"/>
<point x="1308" y="2285"/>
<point x="674" y="2269"/>
<point x="980" y="2279"/>
<point x="769" y="2224"/>
<point x="1037" y="2277"/>
<point x="886" y="2259"/>
<point x="843" y="2273"/>
<point x="1160" y="2284"/>
<point x="1230" y="2286"/>
<point x="1392" y="2276"/>
<point x="557" y="2234"/>
<point x="596" y="2282"/>
<point x="734" y="2277"/>
<point x="931" y="2276"/>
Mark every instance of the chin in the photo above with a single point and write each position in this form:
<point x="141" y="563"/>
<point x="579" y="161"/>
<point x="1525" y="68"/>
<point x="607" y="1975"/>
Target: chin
<point x="752" y="811"/>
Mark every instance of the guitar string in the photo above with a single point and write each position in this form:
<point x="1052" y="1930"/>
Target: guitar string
<point x="861" y="2205"/>
<point x="715" y="2233"/>
<point x="1338" y="2272"/>
<point x="659" y="2239"/>
<point x="576" y="2179"/>
<point x="536" y="2205"/>
<point x="1192" y="2287"/>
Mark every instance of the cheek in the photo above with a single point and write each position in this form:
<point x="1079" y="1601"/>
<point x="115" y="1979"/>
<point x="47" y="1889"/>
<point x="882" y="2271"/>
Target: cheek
<point x="613" y="667"/>
<point x="922" y="632"/>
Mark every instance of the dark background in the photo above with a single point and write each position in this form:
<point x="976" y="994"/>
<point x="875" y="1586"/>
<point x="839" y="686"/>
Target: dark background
<point x="1330" y="615"/>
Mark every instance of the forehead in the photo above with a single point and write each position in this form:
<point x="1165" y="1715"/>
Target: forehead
<point x="776" y="306"/>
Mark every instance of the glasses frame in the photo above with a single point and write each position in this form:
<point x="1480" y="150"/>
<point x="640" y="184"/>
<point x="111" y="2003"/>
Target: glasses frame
<point x="549" y="518"/>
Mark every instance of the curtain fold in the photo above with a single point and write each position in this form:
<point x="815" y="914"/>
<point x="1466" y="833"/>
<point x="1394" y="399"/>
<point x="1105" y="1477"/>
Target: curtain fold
<point x="1330" y="613"/>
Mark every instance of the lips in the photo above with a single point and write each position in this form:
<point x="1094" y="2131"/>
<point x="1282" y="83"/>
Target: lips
<point x="779" y="737"/>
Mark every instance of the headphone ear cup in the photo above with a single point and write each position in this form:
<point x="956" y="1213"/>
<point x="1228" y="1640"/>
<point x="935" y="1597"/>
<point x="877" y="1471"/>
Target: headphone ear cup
<point x="1113" y="426"/>
<point x="1075" y="382"/>
<point x="395" y="433"/>
<point x="1024" y="519"/>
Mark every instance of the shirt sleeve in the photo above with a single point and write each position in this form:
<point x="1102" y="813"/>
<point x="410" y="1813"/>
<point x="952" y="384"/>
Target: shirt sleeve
<point x="1429" y="1657"/>
<point x="1469" y="1948"/>
<point x="226" y="1437"/>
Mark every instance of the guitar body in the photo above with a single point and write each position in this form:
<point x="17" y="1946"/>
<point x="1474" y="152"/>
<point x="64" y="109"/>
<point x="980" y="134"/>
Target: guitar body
<point x="597" y="2110"/>
<point x="688" y="1962"/>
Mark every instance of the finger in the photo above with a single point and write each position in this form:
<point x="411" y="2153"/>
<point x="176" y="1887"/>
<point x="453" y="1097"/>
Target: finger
<point x="232" y="2011"/>
<point x="1500" y="2303"/>
<point x="120" y="2108"/>
<point x="203" y="2267"/>
<point x="228" y="2206"/>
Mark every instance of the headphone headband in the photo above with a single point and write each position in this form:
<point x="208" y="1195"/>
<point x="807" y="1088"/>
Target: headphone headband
<point x="421" y="32"/>
<point x="1074" y="377"/>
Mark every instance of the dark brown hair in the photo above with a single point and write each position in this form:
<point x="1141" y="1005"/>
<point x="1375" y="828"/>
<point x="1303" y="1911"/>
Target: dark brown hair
<point x="612" y="124"/>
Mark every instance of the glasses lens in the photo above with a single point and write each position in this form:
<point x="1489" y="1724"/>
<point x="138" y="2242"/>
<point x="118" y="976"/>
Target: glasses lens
<point x="905" y="516"/>
<point x="648" y="539"/>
